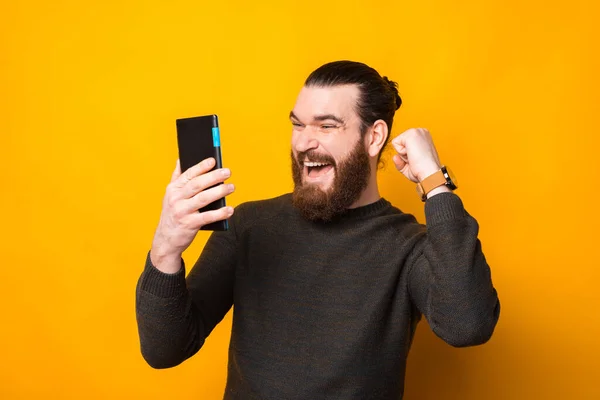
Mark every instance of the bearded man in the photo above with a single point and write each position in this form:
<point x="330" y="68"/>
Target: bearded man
<point x="327" y="283"/>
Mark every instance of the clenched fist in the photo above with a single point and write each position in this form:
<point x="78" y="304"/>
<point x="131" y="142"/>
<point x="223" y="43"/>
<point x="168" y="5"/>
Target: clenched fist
<point x="417" y="157"/>
<point x="180" y="220"/>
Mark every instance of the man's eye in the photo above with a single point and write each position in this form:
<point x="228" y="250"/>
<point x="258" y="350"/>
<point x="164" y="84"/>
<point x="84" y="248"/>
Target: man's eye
<point x="296" y="124"/>
<point x="327" y="126"/>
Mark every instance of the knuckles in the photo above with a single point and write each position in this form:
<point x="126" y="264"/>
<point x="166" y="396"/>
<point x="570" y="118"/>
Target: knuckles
<point x="416" y="135"/>
<point x="171" y="200"/>
<point x="417" y="132"/>
<point x="178" y="211"/>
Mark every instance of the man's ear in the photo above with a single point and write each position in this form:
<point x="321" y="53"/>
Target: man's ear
<point x="376" y="137"/>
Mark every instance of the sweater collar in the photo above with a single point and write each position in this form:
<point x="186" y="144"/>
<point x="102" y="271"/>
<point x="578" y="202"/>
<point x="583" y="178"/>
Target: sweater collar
<point x="366" y="211"/>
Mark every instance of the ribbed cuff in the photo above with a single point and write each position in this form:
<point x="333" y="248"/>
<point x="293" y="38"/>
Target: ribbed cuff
<point x="443" y="207"/>
<point x="161" y="284"/>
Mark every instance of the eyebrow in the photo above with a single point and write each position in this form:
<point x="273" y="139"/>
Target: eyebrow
<point x="323" y="117"/>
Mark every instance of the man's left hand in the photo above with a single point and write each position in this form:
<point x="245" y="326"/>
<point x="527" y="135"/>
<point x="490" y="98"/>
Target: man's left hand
<point x="416" y="155"/>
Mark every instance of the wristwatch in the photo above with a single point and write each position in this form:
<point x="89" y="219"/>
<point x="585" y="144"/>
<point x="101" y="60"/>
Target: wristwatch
<point x="442" y="177"/>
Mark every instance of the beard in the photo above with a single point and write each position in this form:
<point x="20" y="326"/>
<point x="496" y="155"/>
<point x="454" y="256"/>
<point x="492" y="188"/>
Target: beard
<point x="351" y="177"/>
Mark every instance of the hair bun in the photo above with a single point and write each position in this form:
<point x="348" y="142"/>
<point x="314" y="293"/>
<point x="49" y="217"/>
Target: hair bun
<point x="394" y="87"/>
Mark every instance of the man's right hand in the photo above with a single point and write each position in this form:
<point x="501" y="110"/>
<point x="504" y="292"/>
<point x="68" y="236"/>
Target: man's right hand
<point x="180" y="220"/>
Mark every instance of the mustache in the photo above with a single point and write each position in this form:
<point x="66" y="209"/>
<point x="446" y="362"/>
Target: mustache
<point x="312" y="155"/>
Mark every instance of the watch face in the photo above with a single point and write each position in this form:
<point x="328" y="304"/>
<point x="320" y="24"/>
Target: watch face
<point x="450" y="178"/>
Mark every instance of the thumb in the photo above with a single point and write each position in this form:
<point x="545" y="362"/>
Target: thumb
<point x="176" y="172"/>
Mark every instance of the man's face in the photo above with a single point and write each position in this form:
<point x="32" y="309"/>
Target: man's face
<point x="330" y="164"/>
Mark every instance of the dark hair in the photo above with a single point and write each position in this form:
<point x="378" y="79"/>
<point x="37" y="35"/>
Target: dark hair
<point x="378" y="99"/>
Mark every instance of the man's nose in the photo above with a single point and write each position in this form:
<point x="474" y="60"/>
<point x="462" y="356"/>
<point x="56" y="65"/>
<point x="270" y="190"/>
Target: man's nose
<point x="306" y="140"/>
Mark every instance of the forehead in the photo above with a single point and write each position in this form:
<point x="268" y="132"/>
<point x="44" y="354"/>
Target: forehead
<point x="337" y="100"/>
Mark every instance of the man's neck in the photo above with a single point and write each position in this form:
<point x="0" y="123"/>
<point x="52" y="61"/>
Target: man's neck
<point x="370" y="194"/>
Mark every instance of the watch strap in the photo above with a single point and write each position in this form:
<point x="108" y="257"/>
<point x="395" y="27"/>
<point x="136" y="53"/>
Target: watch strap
<point x="433" y="181"/>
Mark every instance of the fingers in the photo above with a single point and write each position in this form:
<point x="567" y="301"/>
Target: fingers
<point x="410" y="134"/>
<point x="400" y="149"/>
<point x="206" y="197"/>
<point x="399" y="140"/>
<point x="194" y="171"/>
<point x="403" y="154"/>
<point x="208" y="217"/>
<point x="187" y="209"/>
<point x="399" y="162"/>
<point x="204" y="181"/>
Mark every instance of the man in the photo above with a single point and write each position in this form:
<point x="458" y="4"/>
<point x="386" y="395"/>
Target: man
<point x="328" y="283"/>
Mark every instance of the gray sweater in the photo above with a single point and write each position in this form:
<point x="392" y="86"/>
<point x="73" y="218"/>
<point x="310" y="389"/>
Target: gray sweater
<point x="322" y="310"/>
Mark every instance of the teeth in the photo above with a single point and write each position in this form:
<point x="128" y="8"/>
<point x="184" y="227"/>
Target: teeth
<point x="314" y="164"/>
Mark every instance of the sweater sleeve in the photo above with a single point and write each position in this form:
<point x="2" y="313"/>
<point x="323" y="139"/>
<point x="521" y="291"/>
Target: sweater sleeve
<point x="176" y="314"/>
<point x="450" y="280"/>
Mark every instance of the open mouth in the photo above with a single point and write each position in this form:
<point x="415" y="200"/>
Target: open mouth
<point x="317" y="169"/>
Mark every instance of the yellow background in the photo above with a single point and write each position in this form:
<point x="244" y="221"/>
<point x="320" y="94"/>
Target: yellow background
<point x="89" y="92"/>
